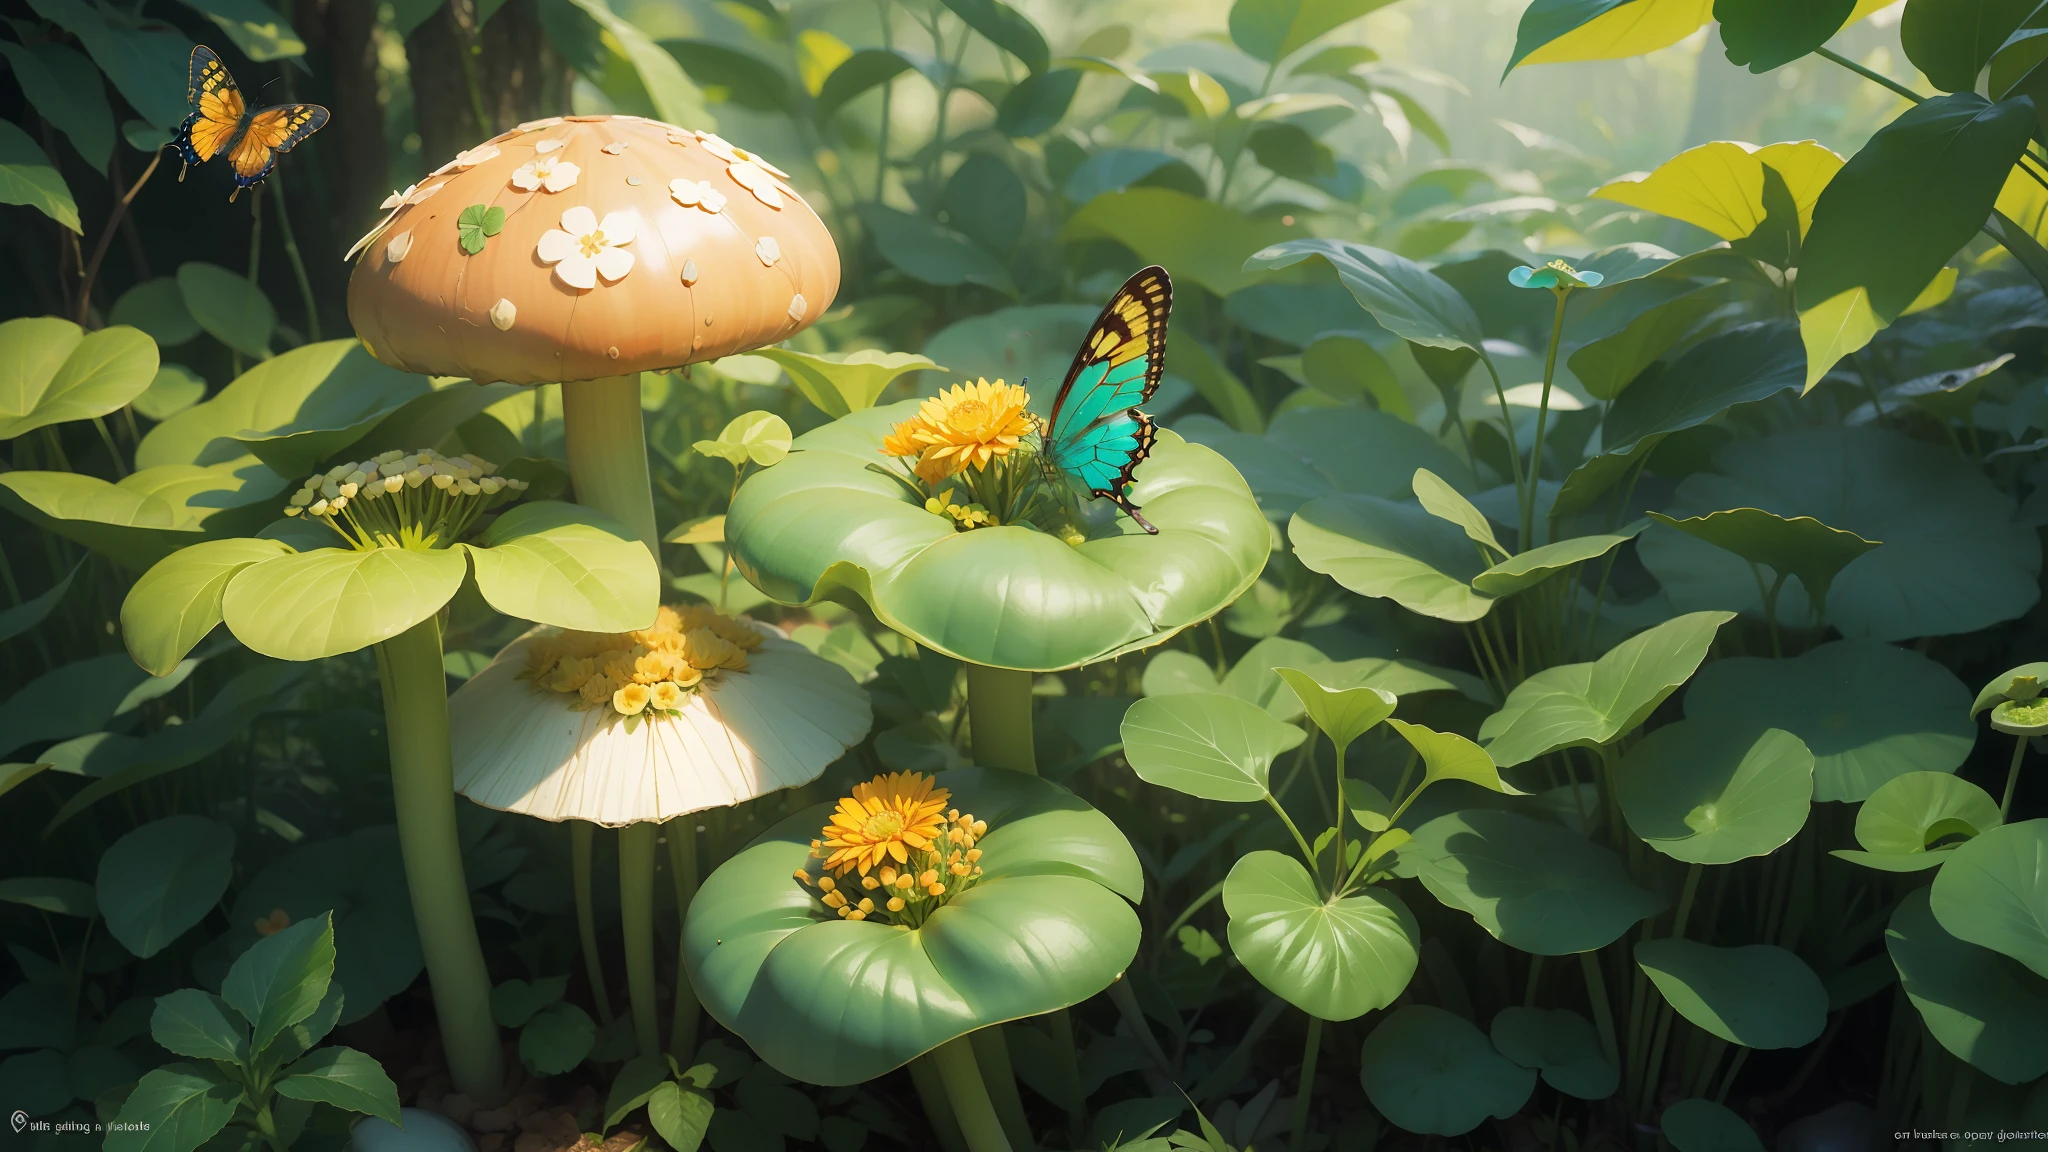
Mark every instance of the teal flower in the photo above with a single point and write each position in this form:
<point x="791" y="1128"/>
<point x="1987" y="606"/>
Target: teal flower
<point x="1556" y="275"/>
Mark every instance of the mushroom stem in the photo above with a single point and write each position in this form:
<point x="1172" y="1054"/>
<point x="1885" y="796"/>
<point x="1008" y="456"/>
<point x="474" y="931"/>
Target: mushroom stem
<point x="999" y="714"/>
<point x="608" y="452"/>
<point x="423" y="793"/>
<point x="636" y="922"/>
<point x="682" y="864"/>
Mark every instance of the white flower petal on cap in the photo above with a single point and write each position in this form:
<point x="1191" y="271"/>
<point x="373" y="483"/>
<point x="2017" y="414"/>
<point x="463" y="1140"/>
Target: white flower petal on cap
<point x="753" y="178"/>
<point x="614" y="263"/>
<point x="474" y="156"/>
<point x="527" y="176"/>
<point x="768" y="250"/>
<point x="418" y="194"/>
<point x="714" y="200"/>
<point x="563" y="176"/>
<point x="547" y="146"/>
<point x="689" y="273"/>
<point x="619" y="227"/>
<point x="577" y="271"/>
<point x="399" y="246"/>
<point x="579" y="221"/>
<point x="797" y="307"/>
<point x="614" y="148"/>
<point x="537" y="125"/>
<point x="717" y="146"/>
<point x="397" y="198"/>
<point x="503" y="315"/>
<point x="556" y="246"/>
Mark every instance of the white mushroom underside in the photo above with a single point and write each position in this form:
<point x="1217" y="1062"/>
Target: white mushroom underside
<point x="778" y="725"/>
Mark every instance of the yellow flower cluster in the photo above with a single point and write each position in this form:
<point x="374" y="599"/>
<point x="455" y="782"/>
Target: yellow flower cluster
<point x="912" y="853"/>
<point x="653" y="670"/>
<point x="966" y="515"/>
<point x="964" y="426"/>
<point x="403" y="499"/>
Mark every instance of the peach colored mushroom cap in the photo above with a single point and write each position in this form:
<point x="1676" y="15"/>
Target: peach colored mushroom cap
<point x="626" y="245"/>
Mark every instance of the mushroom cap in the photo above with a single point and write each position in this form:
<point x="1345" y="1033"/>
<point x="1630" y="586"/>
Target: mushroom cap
<point x="776" y="725"/>
<point x="725" y="257"/>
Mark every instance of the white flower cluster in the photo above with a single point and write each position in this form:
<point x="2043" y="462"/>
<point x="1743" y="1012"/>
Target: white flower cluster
<point x="404" y="499"/>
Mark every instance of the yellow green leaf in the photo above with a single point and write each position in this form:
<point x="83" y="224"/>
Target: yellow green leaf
<point x="1720" y="186"/>
<point x="1938" y="289"/>
<point x="1834" y="328"/>
<point x="1629" y="29"/>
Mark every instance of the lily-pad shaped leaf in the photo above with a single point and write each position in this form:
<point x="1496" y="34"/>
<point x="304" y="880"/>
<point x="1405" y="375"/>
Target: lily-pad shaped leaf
<point x="565" y="565"/>
<point x="831" y="1001"/>
<point x="1758" y="996"/>
<point x="1956" y="558"/>
<point x="1714" y="794"/>
<point x="1705" y="1126"/>
<point x="1206" y="744"/>
<point x="1595" y="703"/>
<point x="1867" y="711"/>
<point x="1983" y="1007"/>
<point x="821" y="524"/>
<point x="1391" y="550"/>
<point x="51" y="370"/>
<point x="1562" y="1045"/>
<point x="177" y="602"/>
<point x="1333" y="959"/>
<point x="2022" y="683"/>
<point x="229" y="307"/>
<point x="1532" y="884"/>
<point x="1993" y="893"/>
<point x="1341" y="713"/>
<point x="317" y="387"/>
<point x="1792" y="546"/>
<point x="1910" y="821"/>
<point x="307" y="605"/>
<point x="852" y="383"/>
<point x="1431" y="1072"/>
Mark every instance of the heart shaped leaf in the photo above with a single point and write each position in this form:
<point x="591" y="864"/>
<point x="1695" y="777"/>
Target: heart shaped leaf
<point x="1431" y="1072"/>
<point x="1993" y="892"/>
<point x="1532" y="884"/>
<point x="1206" y="744"/>
<point x="1334" y="959"/>
<point x="1342" y="714"/>
<point x="1712" y="794"/>
<point x="1983" y="1007"/>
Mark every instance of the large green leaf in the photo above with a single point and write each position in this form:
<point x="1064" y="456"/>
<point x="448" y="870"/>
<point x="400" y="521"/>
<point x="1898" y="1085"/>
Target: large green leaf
<point x="1955" y="558"/>
<point x="1532" y="884"/>
<point x="1200" y="240"/>
<point x="836" y="1002"/>
<point x="1867" y="711"/>
<point x="66" y="701"/>
<point x="566" y="565"/>
<point x="821" y="523"/>
<point x="1764" y="34"/>
<point x="1449" y="756"/>
<point x="1311" y="452"/>
<point x="1599" y="702"/>
<point x="1272" y="30"/>
<point x="175" y="1108"/>
<point x="344" y="1078"/>
<point x="1381" y="548"/>
<point x="282" y="978"/>
<point x="1527" y="569"/>
<point x="1611" y="363"/>
<point x="28" y="177"/>
<point x="1206" y="744"/>
<point x="1557" y="31"/>
<point x="229" y="307"/>
<point x="254" y="26"/>
<point x="177" y="602"/>
<point x="1431" y="1072"/>
<point x="1905" y="824"/>
<point x="1758" y="996"/>
<point x="932" y="252"/>
<point x="1993" y="892"/>
<point x="65" y="89"/>
<point x="676" y="100"/>
<point x="1333" y="959"/>
<point x="125" y="521"/>
<point x="1562" y="1045"/>
<point x="1741" y="366"/>
<point x="1706" y="1126"/>
<point x="398" y="410"/>
<point x="852" y="383"/>
<point x="1981" y="1006"/>
<point x="867" y="69"/>
<point x="161" y="879"/>
<point x="1006" y="28"/>
<point x="1713" y="793"/>
<point x="1950" y="41"/>
<point x="307" y="605"/>
<point x="1407" y="299"/>
<point x="1341" y="712"/>
<point x="51" y="371"/>
<point x="190" y="1022"/>
<point x="327" y="385"/>
<point x="1796" y="546"/>
<point x="146" y="64"/>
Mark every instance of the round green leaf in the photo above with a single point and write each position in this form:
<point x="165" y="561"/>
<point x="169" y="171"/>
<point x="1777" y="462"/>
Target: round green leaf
<point x="1431" y="1072"/>
<point x="1562" y="1045"/>
<point x="162" y="878"/>
<point x="821" y="523"/>
<point x="831" y="1001"/>
<point x="1955" y="558"/>
<point x="840" y="385"/>
<point x="760" y="437"/>
<point x="36" y="1083"/>
<point x="174" y="389"/>
<point x="569" y="566"/>
<point x="1705" y="1126"/>
<point x="1532" y="884"/>
<point x="1758" y="996"/>
<point x="1981" y="1006"/>
<point x="1378" y="547"/>
<point x="1993" y="892"/>
<point x="54" y="372"/>
<point x="328" y="601"/>
<point x="177" y="602"/>
<point x="230" y="308"/>
<point x="1205" y="744"/>
<point x="1902" y="821"/>
<point x="1867" y="711"/>
<point x="1342" y="714"/>
<point x="158" y="308"/>
<point x="51" y="894"/>
<point x="317" y="388"/>
<point x="1333" y="959"/>
<point x="557" y="1039"/>
<point x="1714" y="794"/>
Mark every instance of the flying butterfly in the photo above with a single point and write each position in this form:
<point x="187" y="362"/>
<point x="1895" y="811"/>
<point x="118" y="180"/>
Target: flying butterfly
<point x="222" y="122"/>
<point x="1096" y="435"/>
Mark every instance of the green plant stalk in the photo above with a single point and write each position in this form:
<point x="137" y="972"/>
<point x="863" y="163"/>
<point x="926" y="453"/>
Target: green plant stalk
<point x="999" y="716"/>
<point x="2012" y="776"/>
<point x="992" y="1054"/>
<point x="938" y="1109"/>
<point x="1310" y="1049"/>
<point x="1542" y="418"/>
<point x="636" y="924"/>
<point x="582" y="835"/>
<point x="291" y="252"/>
<point x="423" y="793"/>
<point x="976" y="1114"/>
<point x="1500" y="395"/>
<point x="1337" y="841"/>
<point x="1603" y="1012"/>
<point x="1126" y="1000"/>
<point x="682" y="867"/>
<point x="608" y="453"/>
<point x="1653" y="1072"/>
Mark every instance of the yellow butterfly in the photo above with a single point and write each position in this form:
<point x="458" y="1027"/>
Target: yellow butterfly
<point x="221" y="122"/>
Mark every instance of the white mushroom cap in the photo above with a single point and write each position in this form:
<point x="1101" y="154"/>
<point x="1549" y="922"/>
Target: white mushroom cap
<point x="680" y="278"/>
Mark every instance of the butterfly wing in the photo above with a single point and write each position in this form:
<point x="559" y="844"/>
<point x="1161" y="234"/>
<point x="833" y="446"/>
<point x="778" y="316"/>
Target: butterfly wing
<point x="1095" y="433"/>
<point x="216" y="109"/>
<point x="271" y="133"/>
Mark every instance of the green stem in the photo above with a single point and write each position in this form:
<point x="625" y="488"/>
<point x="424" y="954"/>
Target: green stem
<point x="1877" y="78"/>
<point x="636" y="924"/>
<point x="972" y="1108"/>
<point x="1068" y="1069"/>
<point x="582" y="835"/>
<point x="608" y="453"/>
<point x="992" y="1054"/>
<point x="1126" y="1000"/>
<point x="1308" y="855"/>
<point x="2012" y="776"/>
<point x="1542" y="418"/>
<point x="1337" y="842"/>
<point x="1500" y="395"/>
<point x="682" y="866"/>
<point x="1309" y="1050"/>
<point x="938" y="1110"/>
<point x="999" y="714"/>
<point x="423" y="793"/>
<point x="1603" y="1012"/>
<point x="291" y="252"/>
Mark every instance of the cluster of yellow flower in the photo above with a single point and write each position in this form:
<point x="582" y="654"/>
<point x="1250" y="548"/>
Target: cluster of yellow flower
<point x="652" y="670"/>
<point x="966" y="515"/>
<point x="403" y="499"/>
<point x="910" y="849"/>
<point x="964" y="426"/>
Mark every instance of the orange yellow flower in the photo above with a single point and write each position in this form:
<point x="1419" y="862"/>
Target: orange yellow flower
<point x="651" y="671"/>
<point x="893" y="826"/>
<point x="965" y="426"/>
<point x="886" y="818"/>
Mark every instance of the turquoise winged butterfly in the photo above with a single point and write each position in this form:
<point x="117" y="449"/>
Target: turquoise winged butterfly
<point x="1096" y="435"/>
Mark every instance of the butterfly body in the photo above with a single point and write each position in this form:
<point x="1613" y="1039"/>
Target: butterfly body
<point x="1096" y="435"/>
<point x="222" y="123"/>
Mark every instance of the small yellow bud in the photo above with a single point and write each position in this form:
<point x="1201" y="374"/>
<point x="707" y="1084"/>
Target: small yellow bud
<point x="904" y="881"/>
<point x="802" y="877"/>
<point x="827" y="883"/>
<point x="867" y="905"/>
<point x="870" y="883"/>
<point x="443" y="481"/>
<point x="959" y="869"/>
<point x="895" y="904"/>
<point x="888" y="874"/>
<point x="973" y="854"/>
<point x="935" y="889"/>
<point x="834" y="900"/>
<point x="855" y="914"/>
<point x="930" y="877"/>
